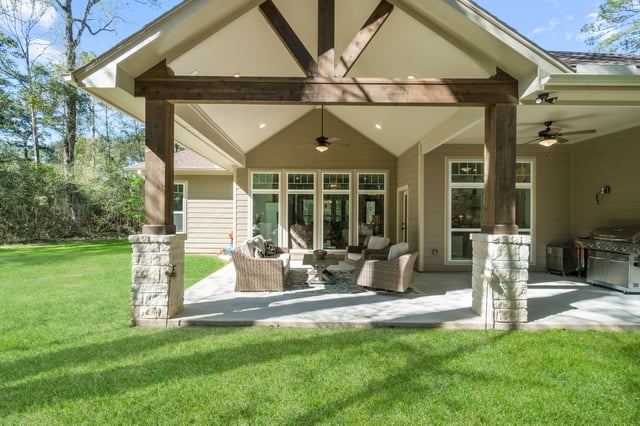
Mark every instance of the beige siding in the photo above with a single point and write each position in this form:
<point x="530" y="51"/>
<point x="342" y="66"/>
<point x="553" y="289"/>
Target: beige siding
<point x="241" y="231"/>
<point x="209" y="222"/>
<point x="408" y="168"/>
<point x="293" y="149"/>
<point x="551" y="200"/>
<point x="434" y="207"/>
<point x="609" y="160"/>
<point x="209" y="212"/>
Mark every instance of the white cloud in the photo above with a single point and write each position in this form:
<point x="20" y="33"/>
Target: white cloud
<point x="30" y="10"/>
<point x="553" y="23"/>
<point x="43" y="50"/>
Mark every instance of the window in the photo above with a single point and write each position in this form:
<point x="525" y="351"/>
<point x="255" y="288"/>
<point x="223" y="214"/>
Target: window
<point x="300" y="209"/>
<point x="465" y="199"/>
<point x="371" y="208"/>
<point x="179" y="207"/>
<point x="335" y="210"/>
<point x="308" y="209"/>
<point x="266" y="196"/>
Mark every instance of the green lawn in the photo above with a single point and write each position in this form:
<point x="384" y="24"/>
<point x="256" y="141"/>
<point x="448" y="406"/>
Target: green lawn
<point x="69" y="356"/>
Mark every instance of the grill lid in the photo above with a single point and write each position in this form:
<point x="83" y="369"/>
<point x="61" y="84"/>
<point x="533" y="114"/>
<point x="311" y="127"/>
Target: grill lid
<point x="623" y="235"/>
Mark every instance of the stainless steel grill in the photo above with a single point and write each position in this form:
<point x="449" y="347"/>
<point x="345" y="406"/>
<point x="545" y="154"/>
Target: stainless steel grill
<point x="614" y="258"/>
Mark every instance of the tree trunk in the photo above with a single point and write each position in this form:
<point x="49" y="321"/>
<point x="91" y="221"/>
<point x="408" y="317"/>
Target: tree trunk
<point x="34" y="134"/>
<point x="70" y="138"/>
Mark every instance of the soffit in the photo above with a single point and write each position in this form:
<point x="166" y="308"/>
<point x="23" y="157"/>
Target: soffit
<point x="447" y="38"/>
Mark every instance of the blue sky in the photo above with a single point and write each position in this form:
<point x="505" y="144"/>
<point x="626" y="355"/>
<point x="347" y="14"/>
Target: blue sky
<point x="551" y="24"/>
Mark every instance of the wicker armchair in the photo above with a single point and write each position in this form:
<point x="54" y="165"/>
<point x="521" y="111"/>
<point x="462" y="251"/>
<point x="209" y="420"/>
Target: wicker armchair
<point x="391" y="275"/>
<point x="260" y="273"/>
<point x="364" y="252"/>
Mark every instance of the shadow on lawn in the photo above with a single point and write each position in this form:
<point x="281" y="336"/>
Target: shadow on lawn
<point x="87" y="371"/>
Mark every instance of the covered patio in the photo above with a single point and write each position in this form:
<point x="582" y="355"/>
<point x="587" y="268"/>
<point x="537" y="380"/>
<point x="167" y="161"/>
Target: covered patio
<point x="441" y="300"/>
<point x="445" y="118"/>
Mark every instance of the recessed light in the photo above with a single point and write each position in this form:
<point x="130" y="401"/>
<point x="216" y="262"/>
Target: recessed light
<point x="262" y="125"/>
<point x="236" y="75"/>
<point x="378" y="126"/>
<point x="411" y="77"/>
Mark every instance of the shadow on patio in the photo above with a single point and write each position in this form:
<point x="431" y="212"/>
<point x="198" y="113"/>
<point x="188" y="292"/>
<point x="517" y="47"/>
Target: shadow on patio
<point x="441" y="300"/>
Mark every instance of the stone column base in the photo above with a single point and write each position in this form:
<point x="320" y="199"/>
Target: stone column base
<point x="157" y="277"/>
<point x="500" y="275"/>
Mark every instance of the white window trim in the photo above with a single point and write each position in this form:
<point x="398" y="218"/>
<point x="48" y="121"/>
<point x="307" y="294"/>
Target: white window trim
<point x="358" y="192"/>
<point x="185" y="196"/>
<point x="447" y="202"/>
<point x="264" y="191"/>
<point x="324" y="191"/>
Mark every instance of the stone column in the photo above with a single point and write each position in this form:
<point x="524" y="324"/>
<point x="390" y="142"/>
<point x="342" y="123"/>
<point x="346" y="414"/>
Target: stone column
<point x="157" y="278"/>
<point x="500" y="274"/>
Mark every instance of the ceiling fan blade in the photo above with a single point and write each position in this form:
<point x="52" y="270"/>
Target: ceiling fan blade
<point x="577" y="132"/>
<point x="332" y="140"/>
<point x="533" y="140"/>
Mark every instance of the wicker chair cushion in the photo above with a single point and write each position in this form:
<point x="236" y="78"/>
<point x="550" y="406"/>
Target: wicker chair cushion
<point x="397" y="250"/>
<point x="377" y="243"/>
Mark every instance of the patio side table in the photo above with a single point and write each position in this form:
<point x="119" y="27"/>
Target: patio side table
<point x="317" y="275"/>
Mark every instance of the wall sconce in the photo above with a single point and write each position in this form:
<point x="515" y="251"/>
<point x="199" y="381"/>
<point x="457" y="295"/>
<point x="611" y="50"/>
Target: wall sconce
<point x="604" y="190"/>
<point x="544" y="97"/>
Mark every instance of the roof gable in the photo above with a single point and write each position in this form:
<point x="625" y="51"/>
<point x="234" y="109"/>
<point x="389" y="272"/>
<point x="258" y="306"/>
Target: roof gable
<point x="443" y="38"/>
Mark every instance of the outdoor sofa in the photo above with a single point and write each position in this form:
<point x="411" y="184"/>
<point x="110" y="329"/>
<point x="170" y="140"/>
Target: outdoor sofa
<point x="260" y="265"/>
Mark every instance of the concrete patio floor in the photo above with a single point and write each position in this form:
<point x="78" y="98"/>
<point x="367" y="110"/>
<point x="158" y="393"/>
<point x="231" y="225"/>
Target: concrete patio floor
<point x="443" y="300"/>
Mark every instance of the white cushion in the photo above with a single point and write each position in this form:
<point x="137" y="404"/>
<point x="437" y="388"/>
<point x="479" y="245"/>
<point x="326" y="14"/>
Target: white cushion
<point x="397" y="250"/>
<point x="377" y="243"/>
<point x="247" y="248"/>
<point x="354" y="256"/>
<point x="258" y="241"/>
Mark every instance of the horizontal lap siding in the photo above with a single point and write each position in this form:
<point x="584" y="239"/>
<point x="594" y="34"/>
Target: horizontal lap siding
<point x="209" y="223"/>
<point x="608" y="160"/>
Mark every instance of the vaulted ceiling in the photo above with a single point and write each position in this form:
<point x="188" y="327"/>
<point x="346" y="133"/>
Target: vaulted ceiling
<point x="417" y="39"/>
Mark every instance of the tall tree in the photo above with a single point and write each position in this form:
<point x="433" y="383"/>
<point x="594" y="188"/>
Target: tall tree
<point x="92" y="17"/>
<point x="616" y="27"/>
<point x="25" y="23"/>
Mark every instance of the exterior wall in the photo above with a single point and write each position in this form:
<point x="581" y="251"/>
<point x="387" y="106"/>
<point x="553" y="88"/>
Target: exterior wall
<point x="434" y="207"/>
<point x="241" y="230"/>
<point x="293" y="149"/>
<point x="209" y="212"/>
<point x="610" y="160"/>
<point x="408" y="169"/>
<point x="551" y="202"/>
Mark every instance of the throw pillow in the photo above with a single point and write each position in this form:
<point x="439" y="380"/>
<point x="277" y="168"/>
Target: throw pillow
<point x="377" y="243"/>
<point x="258" y="253"/>
<point x="258" y="241"/>
<point x="397" y="250"/>
<point x="269" y="248"/>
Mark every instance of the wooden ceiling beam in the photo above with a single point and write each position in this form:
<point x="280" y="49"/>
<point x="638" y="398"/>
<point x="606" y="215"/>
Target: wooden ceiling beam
<point x="326" y="37"/>
<point x="153" y="85"/>
<point x="363" y="38"/>
<point x="289" y="38"/>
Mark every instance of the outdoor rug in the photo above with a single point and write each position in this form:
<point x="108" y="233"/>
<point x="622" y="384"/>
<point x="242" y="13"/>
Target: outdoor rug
<point x="340" y="282"/>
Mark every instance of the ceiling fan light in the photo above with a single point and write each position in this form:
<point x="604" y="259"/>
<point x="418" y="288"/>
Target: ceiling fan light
<point x="548" y="142"/>
<point x="322" y="148"/>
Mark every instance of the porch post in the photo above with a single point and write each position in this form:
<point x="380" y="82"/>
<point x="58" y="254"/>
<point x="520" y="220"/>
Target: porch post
<point x="500" y="255"/>
<point x="158" y="253"/>
<point x="158" y="156"/>
<point x="499" y="170"/>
